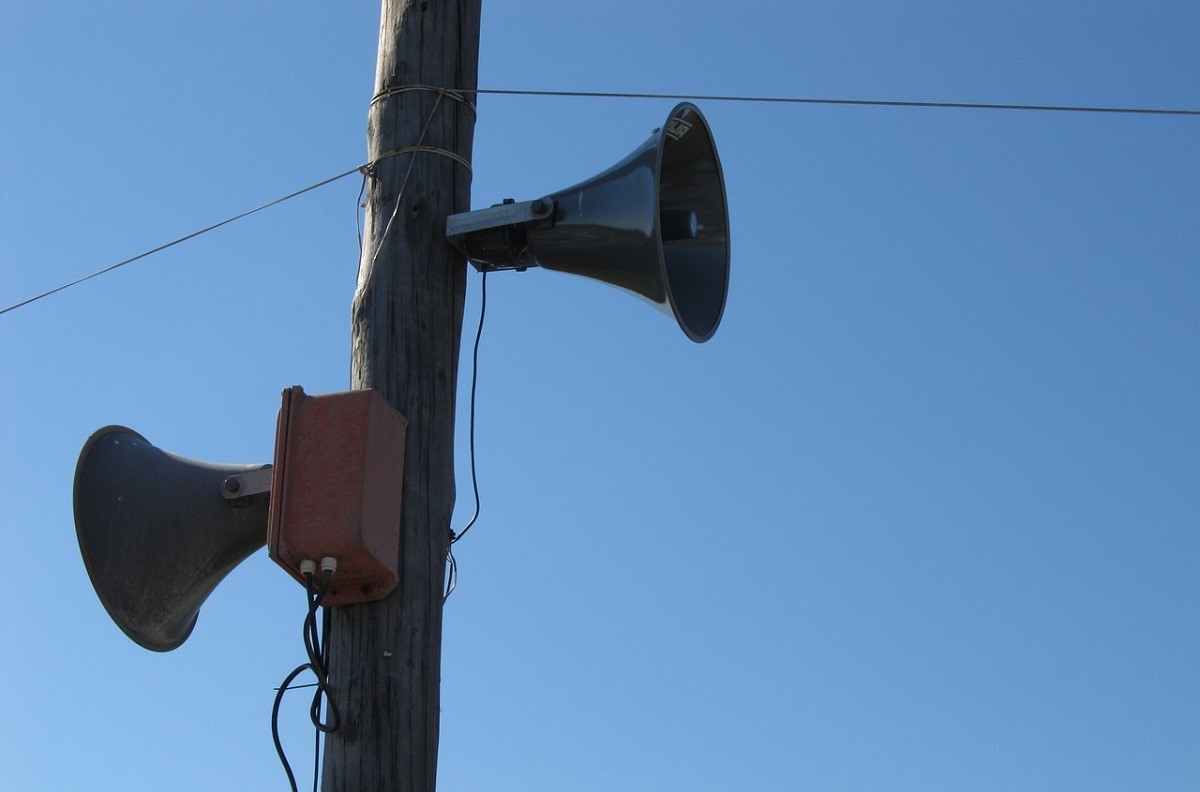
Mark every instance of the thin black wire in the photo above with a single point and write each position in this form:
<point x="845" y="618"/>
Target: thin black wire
<point x="316" y="758"/>
<point x="451" y="574"/>
<point x="843" y="102"/>
<point x="316" y="647"/>
<point x="451" y="562"/>
<point x="175" y="242"/>
<point x="357" y="210"/>
<point x="474" y="382"/>
<point x="630" y="95"/>
<point x="318" y="657"/>
<point x="287" y="768"/>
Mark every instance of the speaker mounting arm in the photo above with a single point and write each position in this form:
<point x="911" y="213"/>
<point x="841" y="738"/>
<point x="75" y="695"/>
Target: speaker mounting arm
<point x="497" y="238"/>
<point x="251" y="482"/>
<point x="655" y="225"/>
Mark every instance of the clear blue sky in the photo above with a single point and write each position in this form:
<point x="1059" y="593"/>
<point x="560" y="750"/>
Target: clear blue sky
<point x="922" y="516"/>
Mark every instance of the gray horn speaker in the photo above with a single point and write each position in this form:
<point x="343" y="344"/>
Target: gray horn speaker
<point x="655" y="224"/>
<point x="158" y="531"/>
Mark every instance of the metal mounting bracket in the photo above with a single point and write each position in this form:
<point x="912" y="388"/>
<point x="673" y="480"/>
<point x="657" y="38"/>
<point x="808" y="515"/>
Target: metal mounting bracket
<point x="252" y="482"/>
<point x="504" y="214"/>
<point x="494" y="238"/>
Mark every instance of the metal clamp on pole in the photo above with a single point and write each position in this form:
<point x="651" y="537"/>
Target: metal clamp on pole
<point x="496" y="238"/>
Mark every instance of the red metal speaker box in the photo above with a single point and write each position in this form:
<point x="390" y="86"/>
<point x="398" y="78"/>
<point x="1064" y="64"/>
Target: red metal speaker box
<point x="335" y="490"/>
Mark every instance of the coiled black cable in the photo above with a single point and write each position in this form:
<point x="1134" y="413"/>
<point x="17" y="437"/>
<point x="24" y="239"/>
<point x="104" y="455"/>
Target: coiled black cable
<point x="316" y="647"/>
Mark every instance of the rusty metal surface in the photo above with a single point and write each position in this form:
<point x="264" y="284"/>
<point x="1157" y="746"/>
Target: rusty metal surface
<point x="336" y="490"/>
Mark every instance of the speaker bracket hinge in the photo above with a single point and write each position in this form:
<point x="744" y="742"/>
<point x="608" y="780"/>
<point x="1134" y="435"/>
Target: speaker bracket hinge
<point x="494" y="238"/>
<point x="251" y="482"/>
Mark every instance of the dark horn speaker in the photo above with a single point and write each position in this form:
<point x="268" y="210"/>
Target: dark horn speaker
<point x="157" y="534"/>
<point x="655" y="224"/>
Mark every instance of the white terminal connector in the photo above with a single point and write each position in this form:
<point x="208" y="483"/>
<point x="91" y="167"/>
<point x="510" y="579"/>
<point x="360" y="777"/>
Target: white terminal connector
<point x="329" y="564"/>
<point x="308" y="567"/>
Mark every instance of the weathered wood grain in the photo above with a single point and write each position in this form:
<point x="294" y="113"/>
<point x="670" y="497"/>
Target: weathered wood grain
<point x="385" y="657"/>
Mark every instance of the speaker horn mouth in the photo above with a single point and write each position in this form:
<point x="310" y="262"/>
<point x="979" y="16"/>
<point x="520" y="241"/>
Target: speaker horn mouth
<point x="156" y="534"/>
<point x="655" y="225"/>
<point x="693" y="223"/>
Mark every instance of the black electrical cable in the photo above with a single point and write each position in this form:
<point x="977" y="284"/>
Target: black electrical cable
<point x="180" y="240"/>
<point x="474" y="381"/>
<point x="358" y="205"/>
<point x="316" y="758"/>
<point x="451" y="575"/>
<point x="315" y="646"/>
<point x="1036" y="108"/>
<point x="457" y="95"/>
<point x="287" y="768"/>
<point x="451" y="562"/>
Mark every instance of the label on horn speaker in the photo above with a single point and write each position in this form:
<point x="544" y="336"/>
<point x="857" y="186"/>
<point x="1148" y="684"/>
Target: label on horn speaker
<point x="677" y="128"/>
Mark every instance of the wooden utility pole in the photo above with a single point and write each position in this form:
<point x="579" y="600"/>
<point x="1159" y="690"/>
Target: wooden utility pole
<point x="385" y="657"/>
